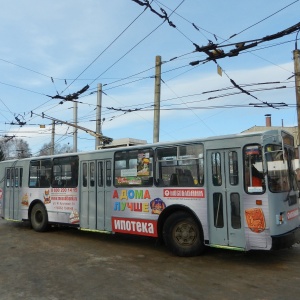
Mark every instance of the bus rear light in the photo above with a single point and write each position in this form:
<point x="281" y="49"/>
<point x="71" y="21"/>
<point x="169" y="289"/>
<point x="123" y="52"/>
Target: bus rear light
<point x="258" y="202"/>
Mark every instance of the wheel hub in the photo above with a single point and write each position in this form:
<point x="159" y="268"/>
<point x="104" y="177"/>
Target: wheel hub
<point x="185" y="234"/>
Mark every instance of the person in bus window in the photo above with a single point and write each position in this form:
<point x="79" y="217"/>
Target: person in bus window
<point x="257" y="177"/>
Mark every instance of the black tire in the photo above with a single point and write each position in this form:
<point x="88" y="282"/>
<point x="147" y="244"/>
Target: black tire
<point x="39" y="218"/>
<point x="182" y="235"/>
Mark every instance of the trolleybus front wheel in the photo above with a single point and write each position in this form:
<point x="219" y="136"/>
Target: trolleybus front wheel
<point x="39" y="218"/>
<point x="182" y="235"/>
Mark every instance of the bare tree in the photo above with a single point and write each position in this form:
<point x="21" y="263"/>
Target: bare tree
<point x="58" y="149"/>
<point x="2" y="156"/>
<point x="65" y="148"/>
<point x="45" y="149"/>
<point x="15" y="148"/>
<point x="22" y="148"/>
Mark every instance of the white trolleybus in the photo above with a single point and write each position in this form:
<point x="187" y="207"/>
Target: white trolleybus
<point x="235" y="192"/>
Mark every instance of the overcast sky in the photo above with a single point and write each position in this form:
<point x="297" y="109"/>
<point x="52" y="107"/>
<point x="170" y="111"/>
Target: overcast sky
<point x="53" y="48"/>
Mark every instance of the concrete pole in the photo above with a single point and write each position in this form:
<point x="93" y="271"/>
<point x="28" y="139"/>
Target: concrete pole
<point x="296" y="55"/>
<point x="52" y="138"/>
<point x="157" y="89"/>
<point x="98" y="115"/>
<point x="75" y="114"/>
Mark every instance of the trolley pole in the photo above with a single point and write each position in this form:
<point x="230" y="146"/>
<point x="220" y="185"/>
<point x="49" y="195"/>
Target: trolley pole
<point x="98" y="114"/>
<point x="52" y="138"/>
<point x="157" y="88"/>
<point x="296" y="54"/>
<point x="75" y="114"/>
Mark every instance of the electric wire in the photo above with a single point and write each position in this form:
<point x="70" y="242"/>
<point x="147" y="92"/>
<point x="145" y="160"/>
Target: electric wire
<point x="276" y="12"/>
<point x="123" y="31"/>
<point x="145" y="77"/>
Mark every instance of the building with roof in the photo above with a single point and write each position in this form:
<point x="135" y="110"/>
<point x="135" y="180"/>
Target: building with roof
<point x="292" y="130"/>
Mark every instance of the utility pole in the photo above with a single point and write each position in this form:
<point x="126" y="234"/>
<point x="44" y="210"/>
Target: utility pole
<point x="75" y="115"/>
<point x="296" y="56"/>
<point x="52" y="138"/>
<point x="98" y="115"/>
<point x="157" y="88"/>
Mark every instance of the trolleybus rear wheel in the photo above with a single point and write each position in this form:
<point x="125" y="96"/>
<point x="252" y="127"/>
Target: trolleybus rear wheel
<point x="182" y="235"/>
<point x="39" y="217"/>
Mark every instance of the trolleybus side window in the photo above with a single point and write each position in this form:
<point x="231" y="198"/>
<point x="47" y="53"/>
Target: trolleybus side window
<point x="65" y="171"/>
<point x="254" y="181"/>
<point x="92" y="174"/>
<point x="281" y="176"/>
<point x="84" y="174"/>
<point x="8" y="180"/>
<point x="108" y="173"/>
<point x="233" y="168"/>
<point x="234" y="197"/>
<point x="180" y="166"/>
<point x="100" y="173"/>
<point x="216" y="169"/>
<point x="21" y="177"/>
<point x="217" y="197"/>
<point x="133" y="167"/>
<point x="292" y="173"/>
<point x="16" y="177"/>
<point x="13" y="177"/>
<point x="218" y="210"/>
<point x="235" y="210"/>
<point x="40" y="173"/>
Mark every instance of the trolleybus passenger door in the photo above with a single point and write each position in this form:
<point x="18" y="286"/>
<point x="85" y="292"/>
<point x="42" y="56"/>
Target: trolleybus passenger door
<point x="225" y="206"/>
<point x="95" y="195"/>
<point x="12" y="193"/>
<point x="104" y="182"/>
<point x="8" y="195"/>
<point x="88" y="204"/>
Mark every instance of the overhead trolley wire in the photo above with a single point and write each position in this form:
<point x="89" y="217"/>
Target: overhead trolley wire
<point x="261" y="20"/>
<point x="123" y="31"/>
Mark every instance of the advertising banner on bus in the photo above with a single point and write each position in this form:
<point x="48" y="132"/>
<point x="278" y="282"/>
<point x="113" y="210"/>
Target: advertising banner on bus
<point x="136" y="210"/>
<point x="62" y="200"/>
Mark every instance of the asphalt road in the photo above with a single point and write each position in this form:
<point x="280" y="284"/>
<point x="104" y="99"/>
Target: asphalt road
<point x="71" y="264"/>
